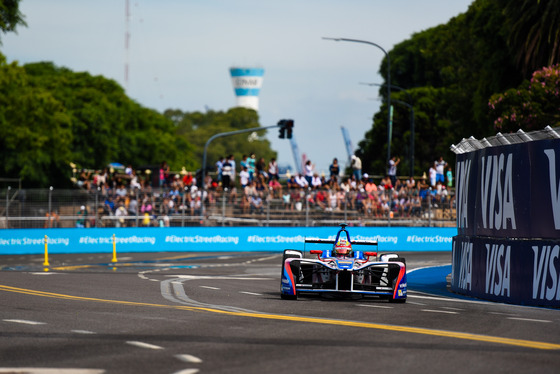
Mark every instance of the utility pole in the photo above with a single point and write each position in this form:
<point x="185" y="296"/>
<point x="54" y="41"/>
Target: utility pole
<point x="283" y="125"/>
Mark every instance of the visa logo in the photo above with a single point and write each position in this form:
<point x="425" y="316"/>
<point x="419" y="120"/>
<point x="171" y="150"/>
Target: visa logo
<point x="498" y="269"/>
<point x="544" y="270"/>
<point x="496" y="184"/>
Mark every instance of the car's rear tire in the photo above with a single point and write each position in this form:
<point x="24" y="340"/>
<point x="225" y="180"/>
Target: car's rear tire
<point x="398" y="259"/>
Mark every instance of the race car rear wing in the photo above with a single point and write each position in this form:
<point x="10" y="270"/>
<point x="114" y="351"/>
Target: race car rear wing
<point x="332" y="241"/>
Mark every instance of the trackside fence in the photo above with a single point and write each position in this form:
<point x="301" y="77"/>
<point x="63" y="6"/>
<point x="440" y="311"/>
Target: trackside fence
<point x="62" y="208"/>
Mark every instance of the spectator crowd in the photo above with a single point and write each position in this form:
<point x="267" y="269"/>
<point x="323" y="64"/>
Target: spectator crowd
<point x="255" y="182"/>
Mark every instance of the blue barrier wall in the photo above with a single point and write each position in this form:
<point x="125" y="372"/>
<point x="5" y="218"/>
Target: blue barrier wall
<point x="273" y="239"/>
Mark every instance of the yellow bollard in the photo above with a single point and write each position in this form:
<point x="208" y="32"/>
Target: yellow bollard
<point x="46" y="263"/>
<point x="114" y="249"/>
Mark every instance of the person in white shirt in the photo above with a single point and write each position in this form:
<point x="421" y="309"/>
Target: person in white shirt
<point x="440" y="170"/>
<point x="244" y="177"/>
<point x="316" y="181"/>
<point x="357" y="167"/>
<point x="309" y="172"/>
<point x="273" y="169"/>
<point x="432" y="174"/>
<point x="301" y="181"/>
<point x="392" y="172"/>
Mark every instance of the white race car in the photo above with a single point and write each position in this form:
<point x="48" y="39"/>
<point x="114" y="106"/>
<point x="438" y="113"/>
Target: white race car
<point x="342" y="270"/>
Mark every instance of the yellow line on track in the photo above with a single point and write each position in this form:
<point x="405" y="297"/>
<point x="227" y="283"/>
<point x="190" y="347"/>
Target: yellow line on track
<point x="71" y="267"/>
<point x="177" y="257"/>
<point x="325" y="321"/>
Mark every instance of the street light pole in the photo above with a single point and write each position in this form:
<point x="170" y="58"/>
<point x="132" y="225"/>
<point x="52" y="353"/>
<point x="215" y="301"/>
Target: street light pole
<point x="389" y="117"/>
<point x="220" y="135"/>
<point x="411" y="134"/>
<point x="410" y="106"/>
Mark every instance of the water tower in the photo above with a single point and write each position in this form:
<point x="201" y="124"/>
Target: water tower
<point x="247" y="84"/>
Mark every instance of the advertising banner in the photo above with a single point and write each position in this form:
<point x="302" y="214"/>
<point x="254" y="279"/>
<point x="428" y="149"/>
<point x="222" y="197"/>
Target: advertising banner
<point x="513" y="271"/>
<point x="274" y="239"/>
<point x="510" y="191"/>
<point x="544" y="200"/>
<point x="503" y="192"/>
<point x="465" y="192"/>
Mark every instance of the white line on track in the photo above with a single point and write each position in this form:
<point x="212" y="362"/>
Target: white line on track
<point x="416" y="295"/>
<point x="143" y="345"/>
<point x="502" y="314"/>
<point x="451" y="308"/>
<point x="413" y="303"/>
<point x="189" y="358"/>
<point x="529" y="319"/>
<point x="43" y="273"/>
<point x="251" y="293"/>
<point x="85" y="332"/>
<point x="219" y="277"/>
<point x="210" y="288"/>
<point x="438" y="311"/>
<point x="187" y="371"/>
<point x="438" y="298"/>
<point x="376" y="306"/>
<point x="24" y="321"/>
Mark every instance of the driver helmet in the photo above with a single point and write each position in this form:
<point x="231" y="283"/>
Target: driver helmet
<point x="342" y="247"/>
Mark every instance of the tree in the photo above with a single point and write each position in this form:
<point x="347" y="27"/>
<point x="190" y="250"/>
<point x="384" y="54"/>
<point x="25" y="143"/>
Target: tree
<point x="534" y="105"/>
<point x="51" y="116"/>
<point x="198" y="127"/>
<point x="434" y="130"/>
<point x="451" y="70"/>
<point x="35" y="130"/>
<point x="10" y="16"/>
<point x="107" y="125"/>
<point x="533" y="35"/>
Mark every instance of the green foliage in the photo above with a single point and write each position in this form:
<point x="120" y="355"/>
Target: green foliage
<point x="533" y="35"/>
<point x="534" y="105"/>
<point x="433" y="131"/>
<point x="107" y="126"/>
<point x="451" y="71"/>
<point x="35" y="130"/>
<point x="198" y="127"/>
<point x="51" y="116"/>
<point x="10" y="16"/>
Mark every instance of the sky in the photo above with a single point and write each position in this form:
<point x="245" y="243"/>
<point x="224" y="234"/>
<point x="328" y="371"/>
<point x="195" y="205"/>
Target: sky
<point x="180" y="51"/>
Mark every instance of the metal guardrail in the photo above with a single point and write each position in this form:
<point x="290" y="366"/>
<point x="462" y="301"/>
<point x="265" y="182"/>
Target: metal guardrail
<point x="472" y="144"/>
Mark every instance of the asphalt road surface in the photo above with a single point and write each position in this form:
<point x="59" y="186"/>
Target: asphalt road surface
<point x="222" y="313"/>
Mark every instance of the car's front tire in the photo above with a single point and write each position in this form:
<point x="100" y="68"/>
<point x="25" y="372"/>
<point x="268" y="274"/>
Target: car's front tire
<point x="290" y="253"/>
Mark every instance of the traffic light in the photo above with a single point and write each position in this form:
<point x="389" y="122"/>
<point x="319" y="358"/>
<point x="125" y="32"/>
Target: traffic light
<point x="285" y="128"/>
<point x="289" y="124"/>
<point x="282" y="129"/>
